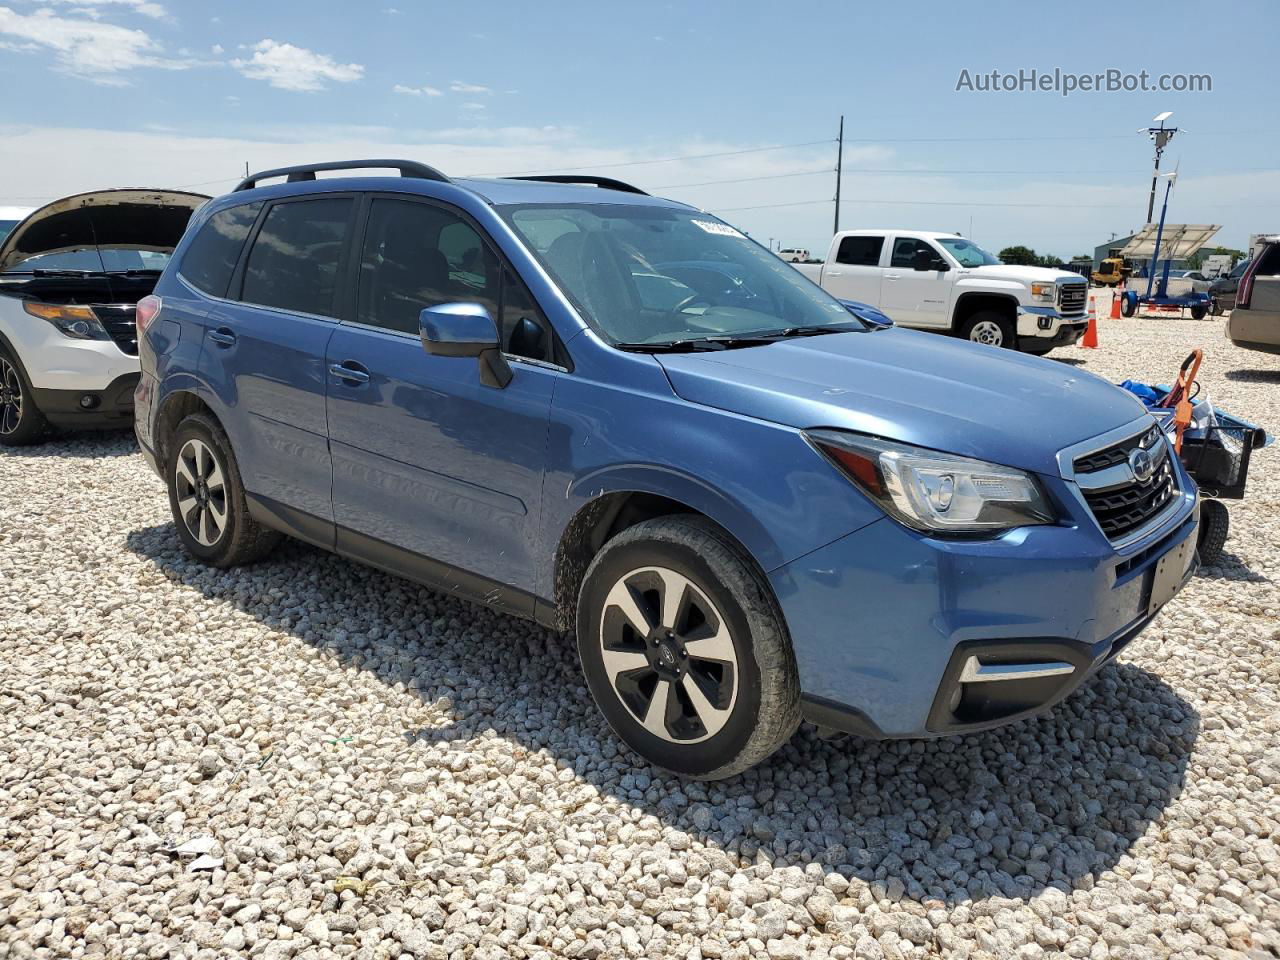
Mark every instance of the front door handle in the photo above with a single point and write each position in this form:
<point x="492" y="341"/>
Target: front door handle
<point x="892" y="276"/>
<point x="350" y="371"/>
<point x="223" y="337"/>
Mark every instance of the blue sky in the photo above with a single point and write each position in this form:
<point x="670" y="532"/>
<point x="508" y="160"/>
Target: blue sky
<point x="160" y="93"/>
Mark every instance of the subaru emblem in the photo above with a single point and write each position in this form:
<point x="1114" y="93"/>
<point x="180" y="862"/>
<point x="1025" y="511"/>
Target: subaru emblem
<point x="1142" y="464"/>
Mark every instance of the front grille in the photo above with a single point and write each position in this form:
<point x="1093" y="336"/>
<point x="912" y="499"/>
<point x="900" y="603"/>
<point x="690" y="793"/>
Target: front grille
<point x="120" y="324"/>
<point x="1101" y="459"/>
<point x="1071" y="297"/>
<point x="1122" y="509"/>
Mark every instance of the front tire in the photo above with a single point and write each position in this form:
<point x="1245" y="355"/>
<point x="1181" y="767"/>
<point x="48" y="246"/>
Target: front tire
<point x="207" y="498"/>
<point x="685" y="651"/>
<point x="21" y="422"/>
<point x="989" y="327"/>
<point x="1215" y="524"/>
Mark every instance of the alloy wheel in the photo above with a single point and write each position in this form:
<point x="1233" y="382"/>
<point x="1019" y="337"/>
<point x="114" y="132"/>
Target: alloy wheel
<point x="10" y="398"/>
<point x="202" y="492"/>
<point x="988" y="332"/>
<point x="668" y="655"/>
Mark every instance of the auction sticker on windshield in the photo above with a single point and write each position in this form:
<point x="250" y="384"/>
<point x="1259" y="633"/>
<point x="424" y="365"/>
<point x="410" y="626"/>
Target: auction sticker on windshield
<point x="720" y="229"/>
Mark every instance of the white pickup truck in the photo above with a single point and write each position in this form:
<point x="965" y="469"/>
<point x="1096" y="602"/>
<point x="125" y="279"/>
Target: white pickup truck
<point x="943" y="282"/>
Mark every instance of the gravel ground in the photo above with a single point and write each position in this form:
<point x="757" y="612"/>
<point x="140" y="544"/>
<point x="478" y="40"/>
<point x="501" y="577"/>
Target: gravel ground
<point x="384" y="771"/>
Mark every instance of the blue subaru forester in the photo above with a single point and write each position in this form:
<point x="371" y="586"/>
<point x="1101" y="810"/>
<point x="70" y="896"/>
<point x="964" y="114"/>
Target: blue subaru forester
<point x="614" y="413"/>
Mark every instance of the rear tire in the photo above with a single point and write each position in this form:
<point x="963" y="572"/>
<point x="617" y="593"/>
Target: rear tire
<point x="1128" y="305"/>
<point x="989" y="327"/>
<point x="1215" y="524"/>
<point x="207" y="498"/>
<point x="21" y="422"/>
<point x="1199" y="313"/>
<point x="685" y="650"/>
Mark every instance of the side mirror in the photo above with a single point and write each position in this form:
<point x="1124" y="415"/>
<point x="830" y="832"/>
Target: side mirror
<point x="465" y="330"/>
<point x="868" y="314"/>
<point x="928" y="260"/>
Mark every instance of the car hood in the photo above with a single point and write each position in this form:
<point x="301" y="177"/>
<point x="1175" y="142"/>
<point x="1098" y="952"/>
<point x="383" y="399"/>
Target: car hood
<point x="104" y="219"/>
<point x="1009" y="271"/>
<point x="915" y="387"/>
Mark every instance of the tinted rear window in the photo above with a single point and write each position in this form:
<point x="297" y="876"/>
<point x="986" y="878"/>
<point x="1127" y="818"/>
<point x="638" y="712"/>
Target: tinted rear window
<point x="860" y="251"/>
<point x="294" y="261"/>
<point x="211" y="258"/>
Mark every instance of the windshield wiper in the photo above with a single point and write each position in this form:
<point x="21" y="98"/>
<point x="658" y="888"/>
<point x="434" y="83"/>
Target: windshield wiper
<point x="696" y="344"/>
<point x="62" y="272"/>
<point x="817" y="330"/>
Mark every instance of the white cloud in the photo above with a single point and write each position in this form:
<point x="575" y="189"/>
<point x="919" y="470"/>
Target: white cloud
<point x="295" y="68"/>
<point x="423" y="91"/>
<point x="459" y="87"/>
<point x="146" y="8"/>
<point x="101" y="52"/>
<point x="216" y="49"/>
<point x="472" y="105"/>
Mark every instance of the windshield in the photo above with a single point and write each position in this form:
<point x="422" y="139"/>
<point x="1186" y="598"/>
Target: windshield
<point x="6" y="226"/>
<point x="94" y="260"/>
<point x="655" y="275"/>
<point x="968" y="253"/>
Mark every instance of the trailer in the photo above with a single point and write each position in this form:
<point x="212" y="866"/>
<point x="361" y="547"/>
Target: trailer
<point x="1170" y="242"/>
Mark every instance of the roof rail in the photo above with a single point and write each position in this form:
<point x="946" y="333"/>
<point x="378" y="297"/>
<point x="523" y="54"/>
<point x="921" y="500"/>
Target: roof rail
<point x="607" y="183"/>
<point x="307" y="171"/>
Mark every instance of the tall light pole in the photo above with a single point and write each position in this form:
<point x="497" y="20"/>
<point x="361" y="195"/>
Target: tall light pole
<point x="1160" y="135"/>
<point x="839" y="166"/>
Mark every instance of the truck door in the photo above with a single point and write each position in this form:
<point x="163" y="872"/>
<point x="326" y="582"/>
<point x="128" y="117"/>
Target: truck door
<point x="854" y="272"/>
<point x="916" y="298"/>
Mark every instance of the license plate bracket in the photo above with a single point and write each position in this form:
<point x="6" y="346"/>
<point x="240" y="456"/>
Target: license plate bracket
<point x="1168" y="573"/>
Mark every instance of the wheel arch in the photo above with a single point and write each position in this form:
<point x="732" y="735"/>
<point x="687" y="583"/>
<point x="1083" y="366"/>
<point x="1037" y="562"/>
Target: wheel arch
<point x="969" y="303"/>
<point x="616" y="506"/>
<point x="177" y="404"/>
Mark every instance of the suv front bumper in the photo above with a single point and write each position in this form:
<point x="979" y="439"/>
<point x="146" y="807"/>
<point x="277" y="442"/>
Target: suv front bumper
<point x="901" y="635"/>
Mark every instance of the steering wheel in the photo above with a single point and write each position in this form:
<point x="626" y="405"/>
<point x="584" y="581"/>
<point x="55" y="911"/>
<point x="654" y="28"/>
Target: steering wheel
<point x="694" y="299"/>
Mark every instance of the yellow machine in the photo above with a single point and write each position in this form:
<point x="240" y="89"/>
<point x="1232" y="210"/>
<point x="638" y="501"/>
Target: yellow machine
<point x="1111" y="272"/>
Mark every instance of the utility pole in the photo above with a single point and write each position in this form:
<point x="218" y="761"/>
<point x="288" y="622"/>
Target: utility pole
<point x="839" y="170"/>
<point x="1160" y="135"/>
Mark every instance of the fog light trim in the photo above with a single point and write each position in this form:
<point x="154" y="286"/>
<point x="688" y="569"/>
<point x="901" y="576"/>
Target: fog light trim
<point x="975" y="671"/>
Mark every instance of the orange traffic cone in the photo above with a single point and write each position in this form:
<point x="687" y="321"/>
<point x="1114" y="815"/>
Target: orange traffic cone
<point x="1090" y="340"/>
<point x="1115" y="301"/>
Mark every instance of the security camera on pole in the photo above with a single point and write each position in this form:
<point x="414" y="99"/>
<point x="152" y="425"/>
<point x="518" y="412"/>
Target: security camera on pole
<point x="1160" y="135"/>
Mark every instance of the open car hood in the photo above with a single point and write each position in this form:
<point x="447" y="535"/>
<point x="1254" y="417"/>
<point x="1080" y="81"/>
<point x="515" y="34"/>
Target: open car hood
<point x="130" y="219"/>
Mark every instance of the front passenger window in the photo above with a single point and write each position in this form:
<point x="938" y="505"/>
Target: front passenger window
<point x="419" y="255"/>
<point x="905" y="250"/>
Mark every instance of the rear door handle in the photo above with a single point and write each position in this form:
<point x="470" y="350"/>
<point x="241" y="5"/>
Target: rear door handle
<point x="892" y="276"/>
<point x="350" y="371"/>
<point x="223" y="337"/>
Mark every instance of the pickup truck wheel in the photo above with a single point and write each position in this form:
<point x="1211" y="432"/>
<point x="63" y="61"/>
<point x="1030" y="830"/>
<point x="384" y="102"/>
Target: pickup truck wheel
<point x="684" y="649"/>
<point x="21" y="422"/>
<point x="989" y="327"/>
<point x="207" y="497"/>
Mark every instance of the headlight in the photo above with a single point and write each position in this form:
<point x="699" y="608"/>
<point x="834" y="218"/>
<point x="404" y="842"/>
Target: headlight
<point x="1044" y="292"/>
<point x="936" y="492"/>
<point x="77" y="322"/>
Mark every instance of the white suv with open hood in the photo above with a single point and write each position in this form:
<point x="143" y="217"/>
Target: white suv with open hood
<point x="71" y="275"/>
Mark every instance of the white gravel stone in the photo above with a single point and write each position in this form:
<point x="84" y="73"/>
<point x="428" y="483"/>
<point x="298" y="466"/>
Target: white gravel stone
<point x="387" y="771"/>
